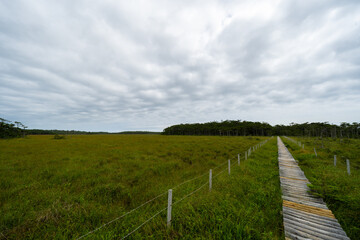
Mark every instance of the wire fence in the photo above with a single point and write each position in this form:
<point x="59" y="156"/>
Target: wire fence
<point x="127" y="213"/>
<point x="336" y="158"/>
<point x="170" y="204"/>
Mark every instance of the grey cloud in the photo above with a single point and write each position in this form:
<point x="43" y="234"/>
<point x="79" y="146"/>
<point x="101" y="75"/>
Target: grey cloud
<point x="118" y="66"/>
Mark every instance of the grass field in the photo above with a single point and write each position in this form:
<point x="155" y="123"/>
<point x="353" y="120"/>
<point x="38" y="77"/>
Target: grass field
<point x="340" y="191"/>
<point x="62" y="189"/>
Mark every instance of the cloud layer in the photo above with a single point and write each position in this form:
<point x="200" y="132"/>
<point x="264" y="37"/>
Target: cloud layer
<point x="117" y="65"/>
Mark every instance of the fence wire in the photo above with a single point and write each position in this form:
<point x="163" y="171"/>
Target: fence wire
<point x="127" y="213"/>
<point x="148" y="220"/>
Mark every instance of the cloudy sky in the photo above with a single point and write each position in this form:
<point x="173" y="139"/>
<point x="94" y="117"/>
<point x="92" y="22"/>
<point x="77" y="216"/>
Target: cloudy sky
<point x="145" y="65"/>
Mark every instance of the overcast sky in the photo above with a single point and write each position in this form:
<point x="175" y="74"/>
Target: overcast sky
<point x="146" y="65"/>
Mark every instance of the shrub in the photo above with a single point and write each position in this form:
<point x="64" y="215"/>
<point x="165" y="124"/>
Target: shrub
<point x="57" y="136"/>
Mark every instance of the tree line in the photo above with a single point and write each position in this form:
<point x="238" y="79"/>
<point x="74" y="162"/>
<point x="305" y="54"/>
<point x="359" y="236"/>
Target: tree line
<point x="9" y="129"/>
<point x="59" y="132"/>
<point x="248" y="128"/>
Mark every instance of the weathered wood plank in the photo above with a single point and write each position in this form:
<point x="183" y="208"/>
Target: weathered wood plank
<point x="314" y="231"/>
<point x="290" y="196"/>
<point x="294" y="233"/>
<point x="316" y="225"/>
<point x="305" y="215"/>
<point x="288" y="165"/>
<point x="309" y="216"/>
<point x="307" y="206"/>
<point x="294" y="183"/>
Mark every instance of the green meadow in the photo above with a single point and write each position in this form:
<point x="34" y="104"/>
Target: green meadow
<point x="340" y="191"/>
<point x="62" y="189"/>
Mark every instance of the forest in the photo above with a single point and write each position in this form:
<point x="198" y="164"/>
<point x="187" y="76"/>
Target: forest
<point x="10" y="129"/>
<point x="248" y="128"/>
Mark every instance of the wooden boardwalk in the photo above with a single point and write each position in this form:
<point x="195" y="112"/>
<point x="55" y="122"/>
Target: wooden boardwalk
<point x="305" y="215"/>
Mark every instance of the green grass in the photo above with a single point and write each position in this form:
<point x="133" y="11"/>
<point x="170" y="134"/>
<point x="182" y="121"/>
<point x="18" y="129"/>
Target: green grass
<point x="61" y="189"/>
<point x="340" y="191"/>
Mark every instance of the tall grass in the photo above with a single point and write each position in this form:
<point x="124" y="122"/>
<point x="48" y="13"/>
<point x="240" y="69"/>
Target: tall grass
<point x="64" y="188"/>
<point x="340" y="191"/>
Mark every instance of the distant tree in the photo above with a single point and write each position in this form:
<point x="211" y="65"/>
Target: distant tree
<point x="9" y="129"/>
<point x="247" y="128"/>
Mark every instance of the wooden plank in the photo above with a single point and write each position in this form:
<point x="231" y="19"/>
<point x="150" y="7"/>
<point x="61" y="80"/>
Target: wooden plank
<point x="297" y="187"/>
<point x="297" y="179"/>
<point x="307" y="208"/>
<point x="304" y="203"/>
<point x="291" y="171"/>
<point x="288" y="166"/>
<point x="309" y="216"/>
<point x="292" y="174"/>
<point x="291" y="195"/>
<point x="305" y="215"/>
<point x="288" y="158"/>
<point x="315" y="231"/>
<point x="317" y="225"/>
<point x="298" y="234"/>
<point x="290" y="235"/>
<point x="293" y="183"/>
<point x="285" y="176"/>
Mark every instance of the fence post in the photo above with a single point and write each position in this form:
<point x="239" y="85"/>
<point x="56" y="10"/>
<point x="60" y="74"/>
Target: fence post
<point x="210" y="179"/>
<point x="348" y="166"/>
<point x="229" y="166"/>
<point x="239" y="159"/>
<point x="315" y="152"/>
<point x="335" y="160"/>
<point x="169" y="208"/>
<point x="245" y="155"/>
<point x="303" y="146"/>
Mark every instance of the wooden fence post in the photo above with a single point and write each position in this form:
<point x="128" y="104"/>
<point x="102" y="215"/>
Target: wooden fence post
<point x="229" y="166"/>
<point x="210" y="179"/>
<point x="169" y="208"/>
<point x="245" y="155"/>
<point x="348" y="166"/>
<point x="335" y="160"/>
<point x="315" y="152"/>
<point x="238" y="159"/>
